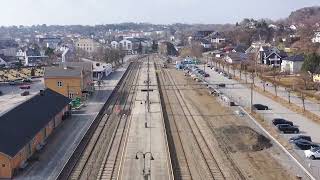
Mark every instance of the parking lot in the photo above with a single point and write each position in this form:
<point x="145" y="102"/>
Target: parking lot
<point x="241" y="93"/>
<point x="11" y="94"/>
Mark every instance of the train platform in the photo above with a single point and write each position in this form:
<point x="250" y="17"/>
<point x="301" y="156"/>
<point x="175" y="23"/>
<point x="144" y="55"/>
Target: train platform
<point x="146" y="153"/>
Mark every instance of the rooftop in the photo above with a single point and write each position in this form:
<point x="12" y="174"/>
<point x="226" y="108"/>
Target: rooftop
<point x="21" y="124"/>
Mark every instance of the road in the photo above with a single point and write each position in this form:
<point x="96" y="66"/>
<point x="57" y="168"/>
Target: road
<point x="241" y="94"/>
<point x="311" y="106"/>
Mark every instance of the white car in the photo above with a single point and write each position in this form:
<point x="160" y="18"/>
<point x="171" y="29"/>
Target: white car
<point x="312" y="153"/>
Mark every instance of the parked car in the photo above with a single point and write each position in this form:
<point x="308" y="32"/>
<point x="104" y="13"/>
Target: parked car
<point x="286" y="128"/>
<point x="277" y="121"/>
<point x="222" y="85"/>
<point x="25" y="87"/>
<point x="260" y="107"/>
<point x="1" y="93"/>
<point x="305" y="144"/>
<point x="25" y="93"/>
<point x="299" y="137"/>
<point x="27" y="80"/>
<point x="312" y="153"/>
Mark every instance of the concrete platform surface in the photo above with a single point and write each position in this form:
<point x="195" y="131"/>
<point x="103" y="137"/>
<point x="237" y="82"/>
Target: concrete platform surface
<point x="143" y="140"/>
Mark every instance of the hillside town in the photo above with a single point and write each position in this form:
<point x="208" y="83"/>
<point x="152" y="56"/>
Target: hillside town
<point x="64" y="87"/>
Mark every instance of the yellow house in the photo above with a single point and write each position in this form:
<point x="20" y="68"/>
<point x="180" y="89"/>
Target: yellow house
<point x="70" y="79"/>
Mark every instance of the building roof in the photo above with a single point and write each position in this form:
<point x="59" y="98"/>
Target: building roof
<point x="241" y="48"/>
<point x="21" y="124"/>
<point x="73" y="69"/>
<point x="235" y="56"/>
<point x="59" y="71"/>
<point x="295" y="58"/>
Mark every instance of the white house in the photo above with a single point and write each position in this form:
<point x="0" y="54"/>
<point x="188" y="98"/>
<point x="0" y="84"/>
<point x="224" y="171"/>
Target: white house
<point x="316" y="38"/>
<point x="292" y="64"/>
<point x="126" y="45"/>
<point x="114" y="44"/>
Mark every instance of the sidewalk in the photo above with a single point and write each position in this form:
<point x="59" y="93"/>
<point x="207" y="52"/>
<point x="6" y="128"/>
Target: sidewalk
<point x="65" y="139"/>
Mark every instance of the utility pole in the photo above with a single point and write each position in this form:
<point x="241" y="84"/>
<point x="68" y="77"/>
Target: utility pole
<point x="251" y="99"/>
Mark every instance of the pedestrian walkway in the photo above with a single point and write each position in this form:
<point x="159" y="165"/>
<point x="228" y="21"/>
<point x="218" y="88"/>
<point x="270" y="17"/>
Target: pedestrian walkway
<point x="146" y="135"/>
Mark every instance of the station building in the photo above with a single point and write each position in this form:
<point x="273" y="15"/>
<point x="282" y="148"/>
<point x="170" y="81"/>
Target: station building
<point x="24" y="129"/>
<point x="71" y="79"/>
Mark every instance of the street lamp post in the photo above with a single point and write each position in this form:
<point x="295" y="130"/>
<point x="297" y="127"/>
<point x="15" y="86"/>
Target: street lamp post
<point x="144" y="171"/>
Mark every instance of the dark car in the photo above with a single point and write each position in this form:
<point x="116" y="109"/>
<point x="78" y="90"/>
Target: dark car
<point x="286" y="128"/>
<point x="27" y="80"/>
<point x="25" y="93"/>
<point x="1" y="93"/>
<point x="281" y="121"/>
<point x="206" y="75"/>
<point x="305" y="144"/>
<point x="299" y="137"/>
<point x="260" y="107"/>
<point x="222" y="85"/>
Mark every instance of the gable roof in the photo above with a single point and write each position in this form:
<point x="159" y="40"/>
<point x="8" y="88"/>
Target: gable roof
<point x="295" y="58"/>
<point x="237" y="56"/>
<point x="21" y="124"/>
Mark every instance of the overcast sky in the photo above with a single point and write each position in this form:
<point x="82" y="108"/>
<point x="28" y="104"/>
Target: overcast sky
<point x="28" y="12"/>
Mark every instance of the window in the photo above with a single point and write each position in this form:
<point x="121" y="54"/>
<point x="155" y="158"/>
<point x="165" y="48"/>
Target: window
<point x="60" y="84"/>
<point x="71" y="95"/>
<point x="3" y="165"/>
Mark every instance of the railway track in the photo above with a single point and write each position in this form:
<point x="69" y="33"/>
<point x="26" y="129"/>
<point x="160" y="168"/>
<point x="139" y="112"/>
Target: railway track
<point x="180" y="164"/>
<point x="111" y="161"/>
<point x="222" y="143"/>
<point x="207" y="167"/>
<point x="87" y="159"/>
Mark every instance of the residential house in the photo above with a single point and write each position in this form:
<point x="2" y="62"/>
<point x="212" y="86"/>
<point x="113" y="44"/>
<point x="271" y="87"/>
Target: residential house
<point x="292" y="64"/>
<point x="218" y="38"/>
<point x="198" y="35"/>
<point x="126" y="46"/>
<point x="316" y="37"/>
<point x="87" y="44"/>
<point x="115" y="45"/>
<point x="240" y="48"/>
<point x="23" y="131"/>
<point x="34" y="56"/>
<point x="71" y="79"/>
<point x="271" y="56"/>
<point x="206" y="45"/>
<point x="235" y="58"/>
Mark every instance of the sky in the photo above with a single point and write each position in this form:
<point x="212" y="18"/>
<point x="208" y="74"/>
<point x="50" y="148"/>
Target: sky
<point x="91" y="12"/>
